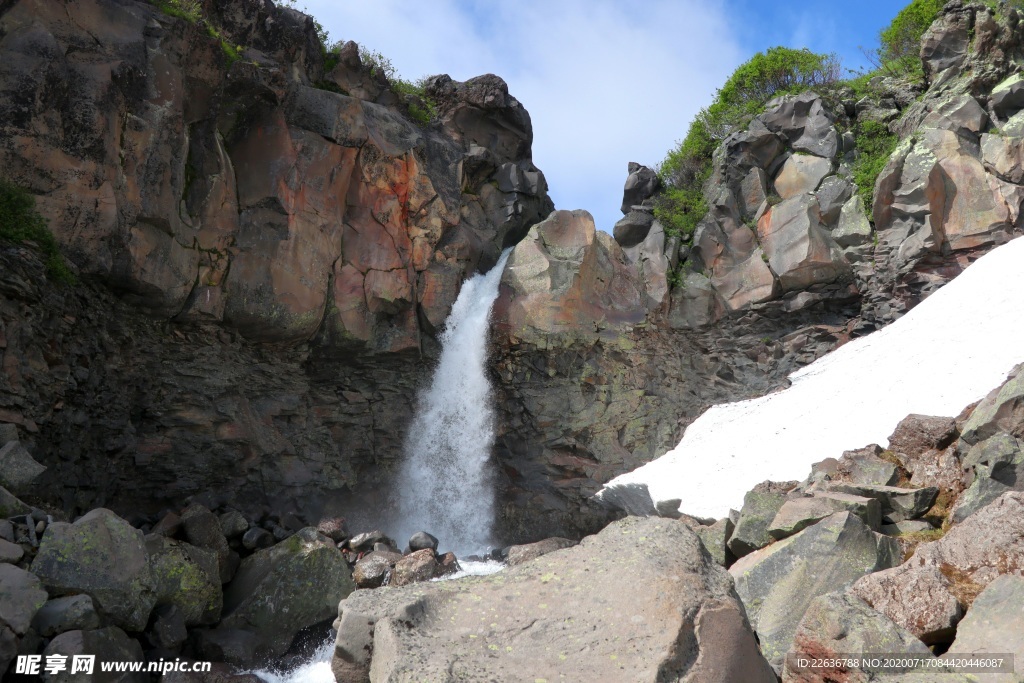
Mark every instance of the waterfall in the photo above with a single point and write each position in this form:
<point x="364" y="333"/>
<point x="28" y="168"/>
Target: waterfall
<point x="445" y="486"/>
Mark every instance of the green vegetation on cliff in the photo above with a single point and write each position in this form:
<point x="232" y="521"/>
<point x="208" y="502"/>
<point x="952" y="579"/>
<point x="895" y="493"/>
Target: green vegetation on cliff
<point x="777" y="71"/>
<point x="874" y="145"/>
<point x="20" y="222"/>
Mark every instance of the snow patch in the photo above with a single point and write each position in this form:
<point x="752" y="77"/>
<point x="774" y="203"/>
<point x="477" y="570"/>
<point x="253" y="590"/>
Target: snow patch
<point x="949" y="351"/>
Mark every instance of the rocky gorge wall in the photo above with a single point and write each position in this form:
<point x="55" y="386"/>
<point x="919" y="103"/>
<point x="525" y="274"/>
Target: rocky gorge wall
<point x="267" y="247"/>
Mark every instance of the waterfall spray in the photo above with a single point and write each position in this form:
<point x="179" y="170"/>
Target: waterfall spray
<point x="446" y="484"/>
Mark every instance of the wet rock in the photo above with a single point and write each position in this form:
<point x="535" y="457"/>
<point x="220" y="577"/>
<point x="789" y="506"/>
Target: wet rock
<point x="333" y="528"/>
<point x="778" y="583"/>
<point x="420" y="631"/>
<point x="109" y="644"/>
<point x="518" y="554"/>
<point x="73" y="613"/>
<point x="281" y="590"/>
<point x="232" y="645"/>
<point x="21" y="596"/>
<point x="418" y="566"/>
<point x="186" y="577"/>
<point x="928" y="594"/>
<point x="17" y="468"/>
<point x="372" y="569"/>
<point x="421" y="540"/>
<point x="365" y="541"/>
<point x="756" y="516"/>
<point x="102" y="556"/>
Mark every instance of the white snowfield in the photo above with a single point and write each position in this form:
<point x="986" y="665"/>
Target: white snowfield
<point x="949" y="351"/>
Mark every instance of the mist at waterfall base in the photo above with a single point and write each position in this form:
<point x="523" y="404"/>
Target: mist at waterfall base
<point x="446" y="484"/>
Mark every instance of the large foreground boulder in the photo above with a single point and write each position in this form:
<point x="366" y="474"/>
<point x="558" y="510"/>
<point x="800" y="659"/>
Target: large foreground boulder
<point x="928" y="594"/>
<point x="777" y="584"/>
<point x="104" y="557"/>
<point x="640" y="601"/>
<point x="279" y="591"/>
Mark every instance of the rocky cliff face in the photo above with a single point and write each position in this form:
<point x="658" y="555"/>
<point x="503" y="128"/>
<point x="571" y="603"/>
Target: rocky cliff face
<point x="236" y="191"/>
<point x="269" y="241"/>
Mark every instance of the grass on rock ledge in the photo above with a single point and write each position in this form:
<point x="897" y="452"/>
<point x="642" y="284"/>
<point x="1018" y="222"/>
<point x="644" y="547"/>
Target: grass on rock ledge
<point x="21" y="223"/>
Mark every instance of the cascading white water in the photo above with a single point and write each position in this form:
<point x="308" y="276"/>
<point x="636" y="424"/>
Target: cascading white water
<point x="445" y="486"/>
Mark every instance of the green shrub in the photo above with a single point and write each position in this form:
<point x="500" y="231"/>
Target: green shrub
<point x="189" y="10"/>
<point x="900" y="42"/>
<point x="778" y="71"/>
<point x="874" y="145"/>
<point x="20" y="222"/>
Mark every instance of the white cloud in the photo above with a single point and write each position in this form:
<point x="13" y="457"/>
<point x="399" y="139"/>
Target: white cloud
<point x="604" y="82"/>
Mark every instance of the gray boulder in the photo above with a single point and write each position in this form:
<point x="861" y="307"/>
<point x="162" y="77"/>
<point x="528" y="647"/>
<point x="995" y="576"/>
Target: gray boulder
<point x="927" y="594"/>
<point x="802" y="173"/>
<point x="279" y="591"/>
<point x="421" y="565"/>
<point x="1008" y="96"/>
<point x="373" y="568"/>
<point x="832" y="194"/>
<point x="716" y="540"/>
<point x="518" y="554"/>
<point x="202" y="529"/>
<point x="107" y="645"/>
<point x="840" y="623"/>
<point x="756" y="516"/>
<point x="641" y="184"/>
<point x="993" y="625"/>
<point x="778" y="583"/>
<point x="10" y="506"/>
<point x="800" y="250"/>
<point x="187" y="577"/>
<point x="632" y="229"/>
<point x="10" y="552"/>
<point x="1001" y="411"/>
<point x="21" y="596"/>
<point x="647" y="580"/>
<point x="421" y="540"/>
<point x="233" y="524"/>
<point x="804" y="122"/>
<point x="17" y="468"/>
<point x="997" y="466"/>
<point x="104" y="557"/>
<point x="797" y="514"/>
<point x="71" y="613"/>
<point x="897" y="503"/>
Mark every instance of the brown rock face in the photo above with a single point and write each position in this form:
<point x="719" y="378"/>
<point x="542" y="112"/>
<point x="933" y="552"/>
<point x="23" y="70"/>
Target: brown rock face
<point x="238" y="193"/>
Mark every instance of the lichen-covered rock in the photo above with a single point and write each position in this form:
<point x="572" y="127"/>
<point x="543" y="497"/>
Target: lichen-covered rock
<point x="839" y="624"/>
<point x="187" y="577"/>
<point x="778" y="583"/>
<point x="716" y="539"/>
<point x="992" y="625"/>
<point x="672" y="607"/>
<point x="102" y="556"/>
<point x="21" y="596"/>
<point x="756" y="516"/>
<point x="10" y="505"/>
<point x="281" y="590"/>
<point x="897" y="503"/>
<point x="1001" y="411"/>
<point x="929" y="593"/>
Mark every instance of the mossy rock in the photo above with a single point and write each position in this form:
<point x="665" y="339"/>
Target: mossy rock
<point x="186" y="577"/>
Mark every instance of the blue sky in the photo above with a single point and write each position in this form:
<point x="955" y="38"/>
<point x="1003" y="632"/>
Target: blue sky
<point x="606" y="82"/>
